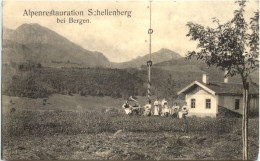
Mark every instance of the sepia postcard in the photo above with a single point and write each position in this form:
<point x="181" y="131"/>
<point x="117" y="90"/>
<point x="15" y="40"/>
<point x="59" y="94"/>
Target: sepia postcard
<point x="130" y="80"/>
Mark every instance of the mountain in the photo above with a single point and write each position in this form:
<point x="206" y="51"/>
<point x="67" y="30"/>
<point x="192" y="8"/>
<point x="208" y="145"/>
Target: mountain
<point x="186" y="71"/>
<point x="173" y="75"/>
<point x="32" y="42"/>
<point x="157" y="57"/>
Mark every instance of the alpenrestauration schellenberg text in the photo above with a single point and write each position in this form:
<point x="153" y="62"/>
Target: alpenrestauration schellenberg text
<point x="72" y="16"/>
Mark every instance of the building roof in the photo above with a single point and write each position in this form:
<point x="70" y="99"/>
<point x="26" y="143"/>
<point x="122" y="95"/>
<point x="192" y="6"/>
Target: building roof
<point x="217" y="88"/>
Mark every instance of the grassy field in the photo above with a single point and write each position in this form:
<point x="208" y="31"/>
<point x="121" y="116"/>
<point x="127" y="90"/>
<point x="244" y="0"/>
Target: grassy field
<point x="76" y="127"/>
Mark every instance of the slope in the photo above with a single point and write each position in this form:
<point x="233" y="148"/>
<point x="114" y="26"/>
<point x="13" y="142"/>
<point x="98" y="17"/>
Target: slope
<point x="157" y="57"/>
<point x="48" y="48"/>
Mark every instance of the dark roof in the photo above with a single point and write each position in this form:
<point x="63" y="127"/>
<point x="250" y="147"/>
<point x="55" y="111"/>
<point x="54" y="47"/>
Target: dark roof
<point x="230" y="88"/>
<point x="222" y="88"/>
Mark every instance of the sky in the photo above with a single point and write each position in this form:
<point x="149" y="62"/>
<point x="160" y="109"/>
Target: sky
<point x="121" y="38"/>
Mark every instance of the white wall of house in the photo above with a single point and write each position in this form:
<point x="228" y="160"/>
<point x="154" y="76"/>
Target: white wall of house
<point x="200" y="96"/>
<point x="229" y="103"/>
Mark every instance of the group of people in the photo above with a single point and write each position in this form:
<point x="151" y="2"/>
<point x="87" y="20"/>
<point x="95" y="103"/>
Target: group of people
<point x="161" y="108"/>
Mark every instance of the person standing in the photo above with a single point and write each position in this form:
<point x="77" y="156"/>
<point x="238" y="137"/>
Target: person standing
<point x="174" y="110"/>
<point x="147" y="109"/>
<point x="184" y="111"/>
<point x="165" y="108"/>
<point x="156" y="107"/>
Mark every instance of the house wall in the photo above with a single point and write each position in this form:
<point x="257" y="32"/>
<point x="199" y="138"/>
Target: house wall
<point x="254" y="104"/>
<point x="229" y="103"/>
<point x="200" y="95"/>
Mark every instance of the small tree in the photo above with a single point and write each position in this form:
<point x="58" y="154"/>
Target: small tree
<point x="232" y="46"/>
<point x="170" y="91"/>
<point x="166" y="88"/>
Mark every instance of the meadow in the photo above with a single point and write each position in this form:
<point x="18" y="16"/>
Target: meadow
<point x="78" y="127"/>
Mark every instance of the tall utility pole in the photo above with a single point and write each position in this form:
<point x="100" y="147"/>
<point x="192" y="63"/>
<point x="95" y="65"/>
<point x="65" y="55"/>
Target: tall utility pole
<point x="149" y="63"/>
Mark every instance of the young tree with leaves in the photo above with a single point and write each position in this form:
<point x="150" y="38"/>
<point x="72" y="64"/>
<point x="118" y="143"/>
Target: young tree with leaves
<point x="232" y="46"/>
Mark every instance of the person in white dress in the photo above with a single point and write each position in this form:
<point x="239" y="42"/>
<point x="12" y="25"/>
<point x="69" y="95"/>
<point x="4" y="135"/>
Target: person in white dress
<point x="127" y="108"/>
<point x="156" y="107"/>
<point x="184" y="111"/>
<point x="164" y="102"/>
<point x="147" y="109"/>
<point x="165" y="108"/>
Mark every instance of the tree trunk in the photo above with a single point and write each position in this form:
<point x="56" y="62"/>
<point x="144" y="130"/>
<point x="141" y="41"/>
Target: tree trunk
<point x="245" y="121"/>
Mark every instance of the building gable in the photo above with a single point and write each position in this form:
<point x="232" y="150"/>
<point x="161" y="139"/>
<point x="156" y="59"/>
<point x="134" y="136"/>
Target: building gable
<point x="198" y="91"/>
<point x="194" y="85"/>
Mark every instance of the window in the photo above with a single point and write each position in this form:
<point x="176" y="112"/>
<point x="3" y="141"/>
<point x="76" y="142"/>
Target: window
<point x="208" y="103"/>
<point x="237" y="104"/>
<point x="193" y="102"/>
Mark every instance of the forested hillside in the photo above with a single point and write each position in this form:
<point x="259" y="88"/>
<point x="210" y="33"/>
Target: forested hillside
<point x="167" y="78"/>
<point x="185" y="71"/>
<point x="42" y="82"/>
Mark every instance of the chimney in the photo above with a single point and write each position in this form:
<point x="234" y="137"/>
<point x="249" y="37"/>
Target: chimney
<point x="225" y="78"/>
<point x="205" y="78"/>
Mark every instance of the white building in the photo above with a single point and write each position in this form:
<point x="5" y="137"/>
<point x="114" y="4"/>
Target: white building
<point x="206" y="98"/>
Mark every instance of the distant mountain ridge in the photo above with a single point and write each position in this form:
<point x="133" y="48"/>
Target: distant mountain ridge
<point x="33" y="42"/>
<point x="157" y="57"/>
<point x="40" y="44"/>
